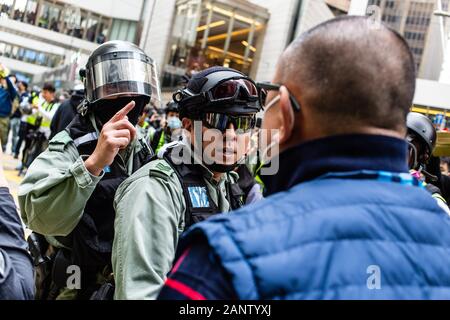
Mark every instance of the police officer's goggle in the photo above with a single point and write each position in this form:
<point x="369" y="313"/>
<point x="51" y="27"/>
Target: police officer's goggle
<point x="222" y="122"/>
<point x="227" y="91"/>
<point x="233" y="89"/>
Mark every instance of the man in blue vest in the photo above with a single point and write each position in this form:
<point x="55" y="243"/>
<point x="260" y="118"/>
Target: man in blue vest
<point x="344" y="219"/>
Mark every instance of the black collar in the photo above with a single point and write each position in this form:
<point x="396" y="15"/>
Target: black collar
<point x="343" y="153"/>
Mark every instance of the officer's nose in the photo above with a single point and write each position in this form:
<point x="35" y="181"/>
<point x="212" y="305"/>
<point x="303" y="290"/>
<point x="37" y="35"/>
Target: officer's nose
<point x="231" y="131"/>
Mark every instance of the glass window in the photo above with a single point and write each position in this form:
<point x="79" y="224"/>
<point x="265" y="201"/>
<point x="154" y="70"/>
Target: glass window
<point x="81" y="28"/>
<point x="55" y="14"/>
<point x="205" y="35"/>
<point x="92" y="26"/>
<point x="115" y="29"/>
<point x="68" y="19"/>
<point x="103" y="30"/>
<point x="30" y="56"/>
<point x="21" y="54"/>
<point x="123" y="30"/>
<point x="19" y="10"/>
<point x="131" y="32"/>
<point x="5" y="7"/>
<point x="14" y="52"/>
<point x="44" y="15"/>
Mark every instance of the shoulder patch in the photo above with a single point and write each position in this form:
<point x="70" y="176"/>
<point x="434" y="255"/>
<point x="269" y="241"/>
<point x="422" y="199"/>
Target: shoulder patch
<point x="59" y="141"/>
<point x="163" y="167"/>
<point x="160" y="168"/>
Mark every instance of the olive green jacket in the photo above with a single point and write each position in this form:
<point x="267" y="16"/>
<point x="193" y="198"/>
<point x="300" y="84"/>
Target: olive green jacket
<point x="57" y="186"/>
<point x="150" y="210"/>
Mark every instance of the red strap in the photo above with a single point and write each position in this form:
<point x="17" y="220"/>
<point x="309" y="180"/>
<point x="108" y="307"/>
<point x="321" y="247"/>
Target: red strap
<point x="184" y="289"/>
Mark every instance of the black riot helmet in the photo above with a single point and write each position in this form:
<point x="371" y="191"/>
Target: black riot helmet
<point x="422" y="134"/>
<point x="422" y="127"/>
<point x="172" y="106"/>
<point x="120" y="68"/>
<point x="218" y="90"/>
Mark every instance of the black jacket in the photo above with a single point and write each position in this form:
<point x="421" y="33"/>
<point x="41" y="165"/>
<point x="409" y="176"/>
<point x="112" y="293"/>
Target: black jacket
<point x="64" y="115"/>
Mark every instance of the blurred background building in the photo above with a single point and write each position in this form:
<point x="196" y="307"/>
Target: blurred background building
<point x="415" y="20"/>
<point x="339" y="7"/>
<point x="50" y="39"/>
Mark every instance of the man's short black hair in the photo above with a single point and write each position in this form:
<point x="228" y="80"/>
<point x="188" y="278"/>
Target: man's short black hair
<point x="352" y="72"/>
<point x="49" y="87"/>
<point x="25" y="84"/>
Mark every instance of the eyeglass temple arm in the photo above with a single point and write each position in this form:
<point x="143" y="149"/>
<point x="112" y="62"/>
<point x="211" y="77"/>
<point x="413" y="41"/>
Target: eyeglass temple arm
<point x="294" y="103"/>
<point x="272" y="86"/>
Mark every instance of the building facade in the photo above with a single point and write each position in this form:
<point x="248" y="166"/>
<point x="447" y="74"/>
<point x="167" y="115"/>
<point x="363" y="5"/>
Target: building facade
<point x="185" y="36"/>
<point x="413" y="19"/>
<point x="50" y="39"/>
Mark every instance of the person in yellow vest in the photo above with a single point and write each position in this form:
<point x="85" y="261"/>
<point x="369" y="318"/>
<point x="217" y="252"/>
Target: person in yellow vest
<point x="43" y="110"/>
<point x="166" y="134"/>
<point x="47" y="108"/>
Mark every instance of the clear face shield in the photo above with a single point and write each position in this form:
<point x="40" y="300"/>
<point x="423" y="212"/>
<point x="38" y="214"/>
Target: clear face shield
<point x="121" y="74"/>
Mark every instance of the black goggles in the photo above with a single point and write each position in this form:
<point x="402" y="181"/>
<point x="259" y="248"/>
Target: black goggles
<point x="233" y="89"/>
<point x="221" y="122"/>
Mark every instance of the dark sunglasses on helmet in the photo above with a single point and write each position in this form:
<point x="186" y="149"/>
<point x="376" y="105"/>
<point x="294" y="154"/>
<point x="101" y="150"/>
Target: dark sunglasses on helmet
<point x="221" y="122"/>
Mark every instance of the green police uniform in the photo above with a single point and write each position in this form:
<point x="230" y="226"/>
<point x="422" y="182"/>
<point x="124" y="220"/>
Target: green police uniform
<point x="55" y="193"/>
<point x="150" y="217"/>
<point x="57" y="186"/>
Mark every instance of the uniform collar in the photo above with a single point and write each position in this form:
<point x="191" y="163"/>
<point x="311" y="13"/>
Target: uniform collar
<point x="344" y="153"/>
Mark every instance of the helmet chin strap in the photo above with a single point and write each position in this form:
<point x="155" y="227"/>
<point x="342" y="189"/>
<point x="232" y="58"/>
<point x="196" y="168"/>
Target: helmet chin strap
<point x="224" y="168"/>
<point x="431" y="177"/>
<point x="419" y="166"/>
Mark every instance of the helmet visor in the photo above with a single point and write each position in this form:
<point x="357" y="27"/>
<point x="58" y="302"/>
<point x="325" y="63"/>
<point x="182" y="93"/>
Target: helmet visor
<point x="130" y="75"/>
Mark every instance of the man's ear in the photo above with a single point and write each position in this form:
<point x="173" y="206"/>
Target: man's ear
<point x="287" y="116"/>
<point x="187" y="124"/>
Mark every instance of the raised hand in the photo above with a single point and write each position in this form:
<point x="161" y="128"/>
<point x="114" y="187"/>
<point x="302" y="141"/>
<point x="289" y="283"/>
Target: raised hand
<point x="116" y="135"/>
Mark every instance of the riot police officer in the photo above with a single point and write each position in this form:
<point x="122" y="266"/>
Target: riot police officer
<point x="421" y="138"/>
<point x="67" y="194"/>
<point x="187" y="183"/>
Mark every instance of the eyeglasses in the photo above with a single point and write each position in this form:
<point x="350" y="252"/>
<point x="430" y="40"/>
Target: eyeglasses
<point x="233" y="89"/>
<point x="221" y="122"/>
<point x="267" y="86"/>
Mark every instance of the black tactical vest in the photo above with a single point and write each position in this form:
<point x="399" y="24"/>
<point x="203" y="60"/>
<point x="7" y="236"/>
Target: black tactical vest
<point x="199" y="205"/>
<point x="91" y="240"/>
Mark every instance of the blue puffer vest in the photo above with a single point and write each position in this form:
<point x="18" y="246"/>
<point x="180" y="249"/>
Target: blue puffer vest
<point x="347" y="223"/>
